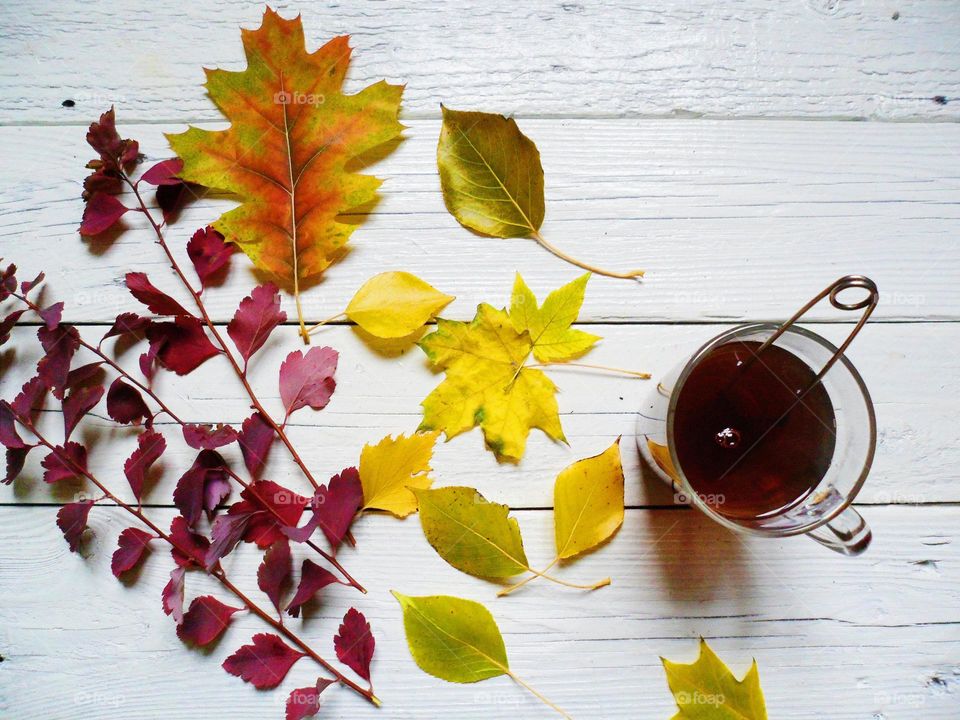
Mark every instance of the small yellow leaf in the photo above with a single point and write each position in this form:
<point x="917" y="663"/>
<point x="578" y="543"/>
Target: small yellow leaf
<point x="490" y="174"/>
<point x="707" y="690"/>
<point x="391" y="467"/>
<point x="453" y="639"/>
<point x="588" y="502"/>
<point x="395" y="304"/>
<point x="549" y="325"/>
<point x="472" y="534"/>
<point x="661" y="456"/>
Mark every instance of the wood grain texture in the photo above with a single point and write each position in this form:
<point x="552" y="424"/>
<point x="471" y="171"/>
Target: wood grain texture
<point x="914" y="392"/>
<point x="732" y="220"/>
<point x="809" y="58"/>
<point x="839" y="638"/>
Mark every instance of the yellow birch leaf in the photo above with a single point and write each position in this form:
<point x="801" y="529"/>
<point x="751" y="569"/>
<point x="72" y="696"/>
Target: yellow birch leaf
<point x="472" y="534"/>
<point x="549" y="324"/>
<point x="285" y="155"/>
<point x="395" y="304"/>
<point x="453" y="639"/>
<point x="707" y="690"/>
<point x="391" y="467"/>
<point x="588" y="502"/>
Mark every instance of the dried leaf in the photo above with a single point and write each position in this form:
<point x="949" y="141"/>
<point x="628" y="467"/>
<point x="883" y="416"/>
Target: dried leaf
<point x="274" y="507"/>
<point x="255" y="438"/>
<point x="193" y="494"/>
<point x="588" y="502"/>
<point x="163" y="173"/>
<point x="305" y="702"/>
<point x="707" y="690"/>
<point x="101" y="213"/>
<point x="354" y="643"/>
<point x="265" y="663"/>
<point x="65" y="462"/>
<point x="549" y="325"/>
<point x="208" y="437"/>
<point x="150" y="446"/>
<point x="180" y="346"/>
<point x="172" y="594"/>
<point x="313" y="579"/>
<point x="209" y="253"/>
<point x="334" y="508"/>
<point x="285" y="154"/>
<point x="190" y="548"/>
<point x="125" y="404"/>
<point x="259" y="313"/>
<point x="395" y="304"/>
<point x="157" y="301"/>
<point x="472" y="534"/>
<point x="72" y="521"/>
<point x="77" y="404"/>
<point x="127" y="323"/>
<point x="275" y="570"/>
<point x="391" y="467"/>
<point x="205" y="621"/>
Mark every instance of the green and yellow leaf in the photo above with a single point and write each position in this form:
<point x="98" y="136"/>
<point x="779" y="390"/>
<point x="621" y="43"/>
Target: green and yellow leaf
<point x="707" y="690"/>
<point x="549" y="324"/>
<point x="286" y="152"/>
<point x="472" y="534"/>
<point x="389" y="469"/>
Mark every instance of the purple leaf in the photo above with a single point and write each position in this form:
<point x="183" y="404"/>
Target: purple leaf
<point x="191" y="493"/>
<point x="16" y="457"/>
<point x="305" y="702"/>
<point x="209" y="253"/>
<point x="150" y="446"/>
<point x="125" y="404"/>
<point x="181" y="346"/>
<point x="334" y="508"/>
<point x="163" y="173"/>
<point x="77" y="404"/>
<point x="308" y="379"/>
<point x="64" y="463"/>
<point x="85" y="375"/>
<point x="157" y="301"/>
<point x="101" y="213"/>
<point x="131" y="545"/>
<point x="127" y="323"/>
<point x="6" y="325"/>
<point x="59" y="346"/>
<point x="265" y="663"/>
<point x="9" y="436"/>
<point x="208" y="437"/>
<point x="172" y="594"/>
<point x="313" y="579"/>
<point x="205" y="621"/>
<point x="72" y="521"/>
<point x="225" y="534"/>
<point x="255" y="438"/>
<point x="189" y="548"/>
<point x="259" y="313"/>
<point x="29" y="402"/>
<point x="275" y="570"/>
<point x="51" y="316"/>
<point x="354" y="643"/>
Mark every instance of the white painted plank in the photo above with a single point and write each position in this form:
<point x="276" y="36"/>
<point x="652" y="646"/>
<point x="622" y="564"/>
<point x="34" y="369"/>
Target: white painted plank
<point x="815" y="58"/>
<point x="876" y="636"/>
<point x="911" y="370"/>
<point x="732" y="220"/>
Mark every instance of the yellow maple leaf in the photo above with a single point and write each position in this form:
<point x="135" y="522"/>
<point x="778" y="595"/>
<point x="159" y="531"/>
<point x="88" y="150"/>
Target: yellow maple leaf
<point x="707" y="690"/>
<point x="389" y="469"/>
<point x="488" y="379"/>
<point x="285" y="155"/>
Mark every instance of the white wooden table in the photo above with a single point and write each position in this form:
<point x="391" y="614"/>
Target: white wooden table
<point x="710" y="143"/>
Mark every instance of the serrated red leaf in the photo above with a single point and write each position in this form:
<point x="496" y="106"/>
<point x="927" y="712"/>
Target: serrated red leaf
<point x="263" y="664"/>
<point x="273" y="506"/>
<point x="127" y="324"/>
<point x="354" y="643"/>
<point x="51" y="315"/>
<point x="305" y="702"/>
<point x="77" y="404"/>
<point x="275" y="570"/>
<point x="6" y="325"/>
<point x="125" y="404"/>
<point x="64" y="463"/>
<point x="334" y="508"/>
<point x="209" y="253"/>
<point x="163" y="173"/>
<point x="193" y="494"/>
<point x="256" y="317"/>
<point x="9" y="436"/>
<point x="313" y="579"/>
<point x="171" y="596"/>
<point x="157" y="301"/>
<point x="148" y="362"/>
<point x="150" y="446"/>
<point x="189" y="547"/>
<point x="85" y="375"/>
<point x="131" y="546"/>
<point x="208" y="437"/>
<point x="29" y="401"/>
<point x="28" y="285"/>
<point x="16" y="458"/>
<point x="59" y="346"/>
<point x="72" y="521"/>
<point x="308" y="379"/>
<point x="103" y="137"/>
<point x="101" y="212"/>
<point x="255" y="438"/>
<point x="226" y="532"/>
<point x="170" y="198"/>
<point x="182" y="345"/>
<point x="205" y="621"/>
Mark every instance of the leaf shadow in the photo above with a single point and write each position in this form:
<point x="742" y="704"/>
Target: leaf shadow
<point x="389" y="347"/>
<point x="98" y="245"/>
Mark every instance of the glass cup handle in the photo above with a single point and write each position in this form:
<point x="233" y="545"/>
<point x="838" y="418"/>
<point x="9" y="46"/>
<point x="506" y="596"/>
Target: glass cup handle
<point x="848" y="533"/>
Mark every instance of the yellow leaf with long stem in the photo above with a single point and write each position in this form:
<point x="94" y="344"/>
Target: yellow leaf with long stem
<point x="286" y="153"/>
<point x="492" y="180"/>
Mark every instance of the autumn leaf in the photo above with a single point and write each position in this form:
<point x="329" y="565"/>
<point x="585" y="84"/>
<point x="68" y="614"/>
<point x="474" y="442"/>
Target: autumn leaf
<point x="305" y="702"/>
<point x="549" y="324"/>
<point x="492" y="180"/>
<point x="354" y="643"/>
<point x="257" y="316"/>
<point x="707" y="690"/>
<point x="307" y="379"/>
<point x="456" y="640"/>
<point x="391" y="467"/>
<point x="588" y="502"/>
<point x="472" y="534"/>
<point x="205" y="621"/>
<point x="72" y="521"/>
<point x="285" y="155"/>
<point x="131" y="545"/>
<point x="313" y="579"/>
<point x="393" y="305"/>
<point x="264" y="663"/>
